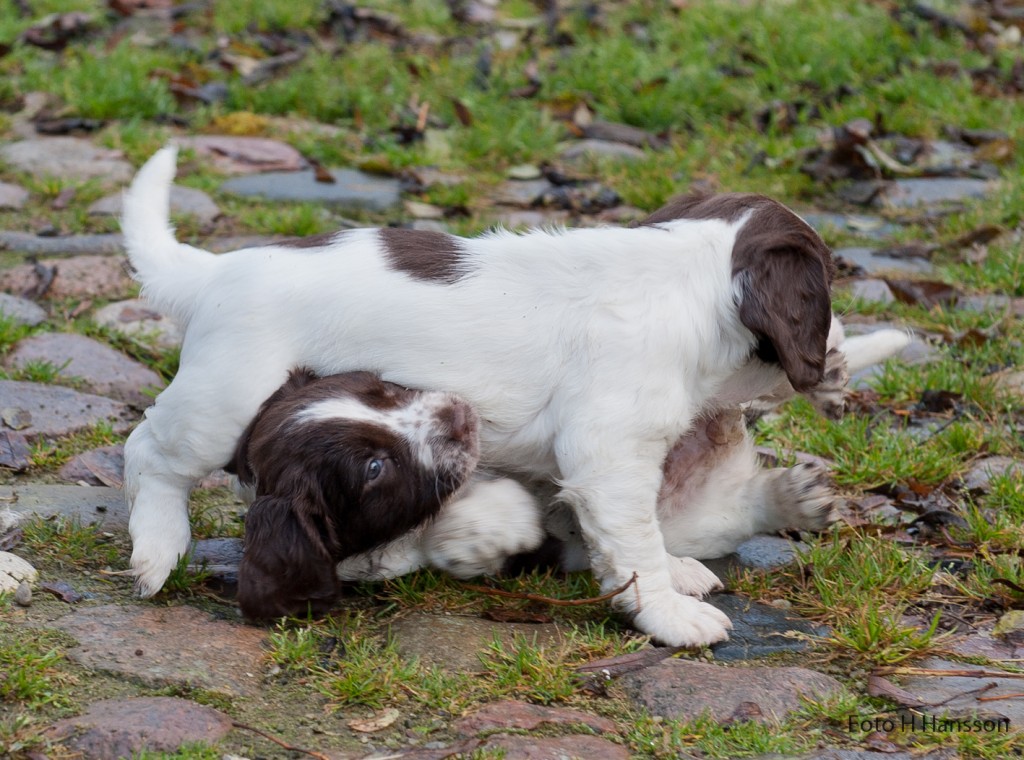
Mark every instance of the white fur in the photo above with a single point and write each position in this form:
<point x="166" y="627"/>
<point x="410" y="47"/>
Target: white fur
<point x="725" y="498"/>
<point x="586" y="353"/>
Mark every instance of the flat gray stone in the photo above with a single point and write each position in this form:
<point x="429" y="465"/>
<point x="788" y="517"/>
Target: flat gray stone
<point x="21" y="310"/>
<point x="117" y="728"/>
<point x="979" y="477"/>
<point x="88" y="506"/>
<point x="868" y="260"/>
<point x="231" y="154"/>
<point x="136" y="318"/>
<point x="66" y="157"/>
<point x="12" y="197"/>
<point x="685" y="690"/>
<point x="520" y="193"/>
<point x="591" y="149"/>
<point x="101" y="369"/>
<point x="760" y="630"/>
<point x="957" y="696"/>
<point x="762" y="552"/>
<point x="996" y="302"/>
<point x="55" y="411"/>
<point x="168" y="646"/>
<point x="872" y="291"/>
<point x="456" y="643"/>
<point x="99" y="467"/>
<point x="77" y="277"/>
<point x="513" y="715"/>
<point x="351" y="190"/>
<point x="519" y="219"/>
<point x="544" y="747"/>
<point x="184" y="200"/>
<point x="859" y="224"/>
<point x="217" y="556"/>
<point x="65" y="245"/>
<point x="937" y="191"/>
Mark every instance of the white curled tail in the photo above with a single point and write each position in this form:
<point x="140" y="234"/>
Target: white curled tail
<point x="171" y="273"/>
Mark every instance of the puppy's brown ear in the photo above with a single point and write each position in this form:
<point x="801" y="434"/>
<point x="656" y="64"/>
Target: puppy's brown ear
<point x="785" y="301"/>
<point x="286" y="568"/>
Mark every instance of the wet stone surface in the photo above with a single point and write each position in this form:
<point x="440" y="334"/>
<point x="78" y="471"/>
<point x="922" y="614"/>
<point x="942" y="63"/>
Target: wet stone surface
<point x="351" y="189"/>
<point x="99" y="368"/>
<point x="117" y="728"/>
<point x="87" y="505"/>
<point x="61" y="245"/>
<point x="455" y="643"/>
<point x="66" y="157"/>
<point x="12" y="197"/>
<point x="136" y="318"/>
<point x="168" y="646"/>
<point x="85" y="276"/>
<point x="184" y="200"/>
<point x="871" y="262"/>
<point x="21" y="310"/>
<point x="50" y="411"/>
<point x="685" y="690"/>
<point x="760" y="630"/>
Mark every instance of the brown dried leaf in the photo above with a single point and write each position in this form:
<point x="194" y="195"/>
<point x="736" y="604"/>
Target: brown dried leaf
<point x="63" y="591"/>
<point x="55" y="31"/>
<point x="15" y="453"/>
<point x="462" y="113"/>
<point x="882" y="687"/>
<point x="927" y="293"/>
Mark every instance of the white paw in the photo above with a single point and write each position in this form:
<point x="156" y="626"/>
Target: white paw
<point x="690" y="577"/>
<point x="151" y="563"/>
<point x="810" y="503"/>
<point x="681" y="621"/>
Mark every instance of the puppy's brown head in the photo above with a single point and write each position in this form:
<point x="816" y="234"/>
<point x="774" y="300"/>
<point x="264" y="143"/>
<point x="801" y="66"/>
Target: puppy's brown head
<point x="341" y="464"/>
<point x="783" y="271"/>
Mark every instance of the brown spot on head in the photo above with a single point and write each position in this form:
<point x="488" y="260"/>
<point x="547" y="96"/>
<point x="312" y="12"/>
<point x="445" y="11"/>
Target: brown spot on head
<point x="784" y="270"/>
<point x="423" y="254"/>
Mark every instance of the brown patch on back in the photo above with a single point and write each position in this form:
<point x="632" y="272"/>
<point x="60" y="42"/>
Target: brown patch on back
<point x="314" y="241"/>
<point x="423" y="254"/>
<point x="785" y="270"/>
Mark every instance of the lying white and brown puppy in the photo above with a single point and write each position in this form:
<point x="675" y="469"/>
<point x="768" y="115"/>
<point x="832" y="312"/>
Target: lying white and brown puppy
<point x="714" y="495"/>
<point x="587" y="354"/>
<point x="339" y="465"/>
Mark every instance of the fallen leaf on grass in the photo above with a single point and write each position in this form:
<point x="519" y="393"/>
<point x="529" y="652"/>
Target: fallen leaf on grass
<point x="378" y="722"/>
<point x="63" y="591"/>
<point x="882" y="687"/>
<point x="15" y="453"/>
<point x="55" y="31"/>
<point x="927" y="293"/>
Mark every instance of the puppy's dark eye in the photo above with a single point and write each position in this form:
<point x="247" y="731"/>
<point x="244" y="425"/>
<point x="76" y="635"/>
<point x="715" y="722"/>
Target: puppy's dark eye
<point x="374" y="469"/>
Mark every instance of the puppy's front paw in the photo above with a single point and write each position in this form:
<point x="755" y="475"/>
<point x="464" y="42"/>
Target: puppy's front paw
<point x="681" y="621"/>
<point x="151" y="563"/>
<point x="691" y="578"/>
<point x="807" y="499"/>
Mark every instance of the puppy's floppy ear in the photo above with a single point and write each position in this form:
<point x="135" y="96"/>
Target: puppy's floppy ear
<point x="286" y="568"/>
<point x="785" y="301"/>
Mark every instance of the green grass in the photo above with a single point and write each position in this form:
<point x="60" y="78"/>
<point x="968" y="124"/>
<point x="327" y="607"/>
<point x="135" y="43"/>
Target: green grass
<point x="698" y="74"/>
<point x="70" y="544"/>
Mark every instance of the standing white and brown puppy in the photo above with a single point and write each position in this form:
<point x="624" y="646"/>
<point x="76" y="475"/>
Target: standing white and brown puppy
<point x="587" y="353"/>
